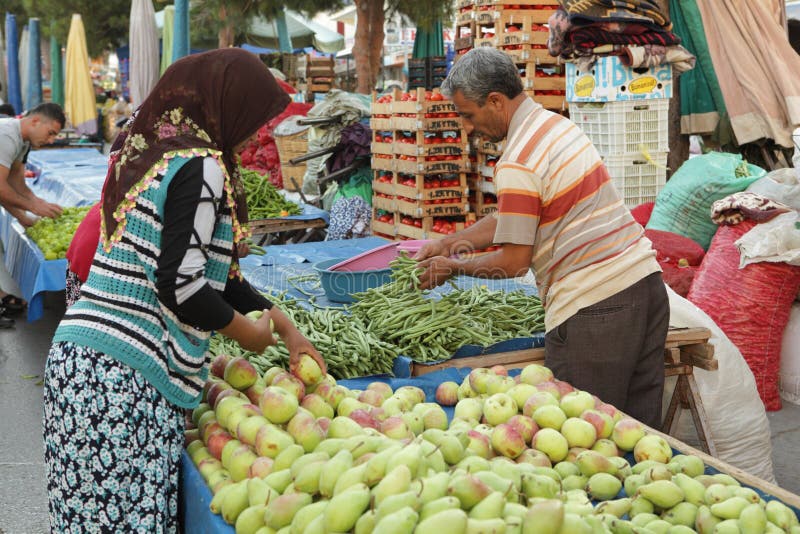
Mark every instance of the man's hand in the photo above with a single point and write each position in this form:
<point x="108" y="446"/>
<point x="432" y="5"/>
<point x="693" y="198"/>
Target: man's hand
<point x="42" y="208"/>
<point x="436" y="247"/>
<point x="437" y="270"/>
<point x="24" y="219"/>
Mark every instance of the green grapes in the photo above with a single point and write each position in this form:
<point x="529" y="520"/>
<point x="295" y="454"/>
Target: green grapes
<point x="53" y="236"/>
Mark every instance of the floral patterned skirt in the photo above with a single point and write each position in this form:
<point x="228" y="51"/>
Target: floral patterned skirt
<point x="112" y="446"/>
<point x="72" y="291"/>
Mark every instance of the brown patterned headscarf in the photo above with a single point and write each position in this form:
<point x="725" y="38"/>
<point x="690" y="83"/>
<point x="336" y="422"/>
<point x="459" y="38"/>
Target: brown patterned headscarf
<point x="214" y="100"/>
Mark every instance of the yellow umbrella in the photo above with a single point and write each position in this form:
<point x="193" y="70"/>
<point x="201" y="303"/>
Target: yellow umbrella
<point x="79" y="101"/>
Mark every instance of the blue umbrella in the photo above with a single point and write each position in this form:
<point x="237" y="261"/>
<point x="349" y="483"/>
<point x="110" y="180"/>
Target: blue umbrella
<point x="180" y="37"/>
<point x="34" y="94"/>
<point x="14" y="94"/>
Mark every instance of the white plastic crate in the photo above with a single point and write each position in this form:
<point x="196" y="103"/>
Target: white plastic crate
<point x="623" y="127"/>
<point x="636" y="179"/>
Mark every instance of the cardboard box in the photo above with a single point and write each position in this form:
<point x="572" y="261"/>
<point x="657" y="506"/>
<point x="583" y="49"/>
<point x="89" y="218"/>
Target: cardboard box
<point x="610" y="80"/>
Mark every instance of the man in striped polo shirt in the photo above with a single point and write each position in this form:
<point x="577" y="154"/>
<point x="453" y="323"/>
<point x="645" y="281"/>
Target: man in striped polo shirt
<point x="606" y="307"/>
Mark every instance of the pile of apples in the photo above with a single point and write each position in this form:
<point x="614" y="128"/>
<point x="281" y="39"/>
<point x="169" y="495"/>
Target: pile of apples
<point x="302" y="454"/>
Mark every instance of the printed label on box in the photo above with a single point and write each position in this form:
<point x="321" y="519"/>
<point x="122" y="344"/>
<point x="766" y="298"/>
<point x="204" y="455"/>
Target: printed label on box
<point x="610" y="80"/>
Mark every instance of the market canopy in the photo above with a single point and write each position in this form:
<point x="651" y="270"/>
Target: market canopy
<point x="302" y="32"/>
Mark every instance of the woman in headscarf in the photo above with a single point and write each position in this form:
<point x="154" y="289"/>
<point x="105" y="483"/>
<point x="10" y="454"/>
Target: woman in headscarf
<point x="131" y="354"/>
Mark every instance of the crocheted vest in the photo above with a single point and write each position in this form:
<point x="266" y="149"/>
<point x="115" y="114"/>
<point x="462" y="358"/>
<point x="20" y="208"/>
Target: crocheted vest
<point x="119" y="313"/>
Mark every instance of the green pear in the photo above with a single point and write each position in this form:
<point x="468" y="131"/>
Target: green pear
<point x="748" y="494"/>
<point x="469" y="489"/>
<point x="514" y="509"/>
<point x="376" y="466"/>
<point x="632" y="484"/>
<point x="602" y="486"/>
<point x="514" y="525"/>
<point x="717" y="493"/>
<point x="410" y="456"/>
<point x="781" y="515"/>
<point x="640" y="505"/>
<point x="591" y="462"/>
<point x="728" y="526"/>
<point x="307" y="479"/>
<point x="250" y="520"/>
<point x="486" y="526"/>
<point x="344" y="509"/>
<point x="437" y="505"/>
<point x="331" y="446"/>
<point x="309" y="458"/>
<point x="642" y="520"/>
<point x="366" y="523"/>
<point x="452" y="448"/>
<point x="490" y="507"/>
<point x="316" y="526"/>
<point x="565" y="469"/>
<point x="351" y="477"/>
<point x="451" y="521"/>
<point x="402" y="521"/>
<point x="287" y="456"/>
<point x="473" y="464"/>
<point x="234" y="502"/>
<point x="657" y="472"/>
<point x="395" y="502"/>
<point x="396" y="481"/>
<point x="705" y="521"/>
<point x="680" y="529"/>
<point x="498" y="483"/>
<point x="574" y="482"/>
<point x="305" y="515"/>
<point x="259" y="491"/>
<point x="659" y="526"/>
<point x="433" y="456"/>
<point x="361" y="445"/>
<point x="280" y="512"/>
<point x="662" y="493"/>
<point x="578" y="508"/>
<point x="432" y="487"/>
<point x="690" y="465"/>
<point x="640" y="467"/>
<point x="544" y="518"/>
<point x="617" y="507"/>
<point x="539" y="486"/>
<point x="333" y="469"/>
<point x="726" y="479"/>
<point x="683" y="513"/>
<point x="574" y="524"/>
<point x="753" y="519"/>
<point x="278" y="480"/>
<point x="693" y="491"/>
<point x="511" y="471"/>
<point x="729" y="508"/>
<point x="216" y="501"/>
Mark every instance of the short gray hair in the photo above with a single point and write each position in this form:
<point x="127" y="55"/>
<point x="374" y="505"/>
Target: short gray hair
<point x="481" y="71"/>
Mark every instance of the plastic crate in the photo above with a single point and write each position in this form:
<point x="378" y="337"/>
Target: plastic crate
<point x="624" y="127"/>
<point x="637" y="179"/>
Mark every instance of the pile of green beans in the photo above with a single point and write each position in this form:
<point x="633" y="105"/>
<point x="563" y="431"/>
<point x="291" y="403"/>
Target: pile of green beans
<point x="263" y="199"/>
<point x="427" y="330"/>
<point x="345" y="343"/>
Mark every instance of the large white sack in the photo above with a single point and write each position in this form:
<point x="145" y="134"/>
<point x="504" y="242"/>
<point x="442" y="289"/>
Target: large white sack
<point x="736" y="416"/>
<point x="790" y="358"/>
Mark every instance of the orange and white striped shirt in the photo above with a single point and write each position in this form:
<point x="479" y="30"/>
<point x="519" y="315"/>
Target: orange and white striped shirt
<point x="555" y="194"/>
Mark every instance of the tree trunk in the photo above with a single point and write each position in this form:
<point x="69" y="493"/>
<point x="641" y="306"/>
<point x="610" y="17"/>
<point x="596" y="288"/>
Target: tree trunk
<point x="361" y="48"/>
<point x="377" y="19"/>
<point x="225" y="34"/>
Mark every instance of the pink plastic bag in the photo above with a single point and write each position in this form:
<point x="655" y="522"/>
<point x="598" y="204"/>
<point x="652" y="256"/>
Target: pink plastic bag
<point x="750" y="305"/>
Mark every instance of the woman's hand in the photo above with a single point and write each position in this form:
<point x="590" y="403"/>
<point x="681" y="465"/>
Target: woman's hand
<point x="251" y="335"/>
<point x="243" y="249"/>
<point x="299" y="345"/>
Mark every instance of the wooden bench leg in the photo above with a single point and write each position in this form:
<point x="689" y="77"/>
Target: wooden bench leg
<point x="674" y="404"/>
<point x="691" y="394"/>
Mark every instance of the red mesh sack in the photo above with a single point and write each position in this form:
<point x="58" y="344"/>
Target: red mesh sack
<point x="642" y="212"/>
<point x="679" y="279"/>
<point x="672" y="248"/>
<point x="750" y="305"/>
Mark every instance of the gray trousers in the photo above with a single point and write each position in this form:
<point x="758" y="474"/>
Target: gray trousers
<point x="615" y="349"/>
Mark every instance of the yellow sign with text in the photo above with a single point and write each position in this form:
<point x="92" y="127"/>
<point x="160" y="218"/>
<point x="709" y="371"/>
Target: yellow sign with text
<point x="643" y="85"/>
<point x="584" y="86"/>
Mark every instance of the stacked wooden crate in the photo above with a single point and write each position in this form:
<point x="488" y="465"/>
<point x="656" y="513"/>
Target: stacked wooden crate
<point x="520" y="30"/>
<point x="483" y="196"/>
<point x="420" y="160"/>
<point x="320" y="74"/>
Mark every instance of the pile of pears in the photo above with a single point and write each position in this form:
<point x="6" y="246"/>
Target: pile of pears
<point x="397" y="467"/>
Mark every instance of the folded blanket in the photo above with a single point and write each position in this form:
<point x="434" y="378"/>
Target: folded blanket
<point x="737" y="207"/>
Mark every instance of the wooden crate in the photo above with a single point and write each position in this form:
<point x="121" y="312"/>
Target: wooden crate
<point x="381" y="124"/>
<point x="536" y="11"/>
<point x="425" y="208"/>
<point x="384" y="203"/>
<point x="518" y="53"/>
<point x="425" y="231"/>
<point x="381" y="227"/>
<point x="541" y="56"/>
<point x="382" y="186"/>
<point x="484" y="205"/>
<point x="531" y="82"/>
<point x="552" y="102"/>
<point x="420" y="106"/>
<point x="487" y="147"/>
<point x="465" y="17"/>
<point x="423" y="146"/>
<point x="382" y="163"/>
<point x="422" y="166"/>
<point x="419" y="192"/>
<point x="420" y="122"/>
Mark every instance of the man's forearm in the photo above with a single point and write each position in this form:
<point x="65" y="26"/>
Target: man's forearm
<point x="478" y="236"/>
<point x="508" y="262"/>
<point x="11" y="199"/>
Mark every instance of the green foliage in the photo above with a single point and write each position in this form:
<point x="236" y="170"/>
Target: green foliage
<point x="106" y="22"/>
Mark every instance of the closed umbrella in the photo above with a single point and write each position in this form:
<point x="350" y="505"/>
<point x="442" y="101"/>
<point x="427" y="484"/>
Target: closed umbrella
<point x="428" y="43"/>
<point x="22" y="58"/>
<point x="143" y="41"/>
<point x="180" y="37"/>
<point x="79" y="101"/>
<point x="34" y="67"/>
<point x="167" y="32"/>
<point x="56" y="73"/>
<point x="3" y="84"/>
<point x="14" y="92"/>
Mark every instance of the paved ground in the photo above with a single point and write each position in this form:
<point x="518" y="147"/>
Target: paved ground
<point x="23" y="504"/>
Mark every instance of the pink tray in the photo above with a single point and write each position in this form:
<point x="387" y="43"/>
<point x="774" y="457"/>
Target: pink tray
<point x="379" y="257"/>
